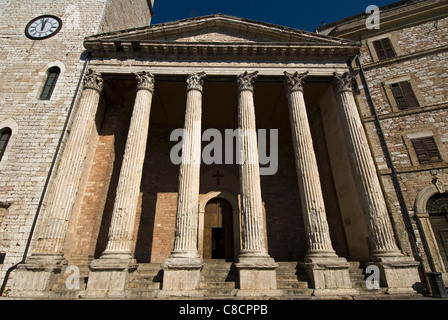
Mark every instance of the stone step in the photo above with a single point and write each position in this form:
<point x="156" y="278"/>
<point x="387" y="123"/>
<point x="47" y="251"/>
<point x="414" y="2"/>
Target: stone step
<point x="294" y="284"/>
<point x="217" y="285"/>
<point x="66" y="294"/>
<point x="141" y="294"/>
<point x="219" y="279"/>
<point x="145" y="280"/>
<point x="295" y="293"/>
<point x="218" y="293"/>
<point x="289" y="277"/>
<point x="143" y="285"/>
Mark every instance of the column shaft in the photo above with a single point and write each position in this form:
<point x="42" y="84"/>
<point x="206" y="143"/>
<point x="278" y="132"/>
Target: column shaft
<point x="381" y="234"/>
<point x="123" y="217"/>
<point x="186" y="236"/>
<point x="313" y="206"/>
<point x="62" y="194"/>
<point x="252" y="220"/>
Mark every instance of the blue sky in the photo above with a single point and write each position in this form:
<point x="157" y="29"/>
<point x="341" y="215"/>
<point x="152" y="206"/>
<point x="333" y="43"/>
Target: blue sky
<point x="304" y="15"/>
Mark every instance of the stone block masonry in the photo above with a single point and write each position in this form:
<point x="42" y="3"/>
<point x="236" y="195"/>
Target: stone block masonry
<point x="37" y="125"/>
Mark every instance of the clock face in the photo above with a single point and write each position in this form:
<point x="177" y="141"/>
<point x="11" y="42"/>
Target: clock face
<point x="43" y="27"/>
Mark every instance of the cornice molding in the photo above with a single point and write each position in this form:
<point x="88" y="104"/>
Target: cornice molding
<point x="225" y="50"/>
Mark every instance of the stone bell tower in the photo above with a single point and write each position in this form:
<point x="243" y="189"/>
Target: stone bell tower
<point x="42" y="63"/>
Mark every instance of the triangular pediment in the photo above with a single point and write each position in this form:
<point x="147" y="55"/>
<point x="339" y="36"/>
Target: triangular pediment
<point x="216" y="35"/>
<point x="218" y="28"/>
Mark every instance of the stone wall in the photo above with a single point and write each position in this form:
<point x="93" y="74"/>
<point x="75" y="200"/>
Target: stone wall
<point x="37" y="125"/>
<point x="422" y="60"/>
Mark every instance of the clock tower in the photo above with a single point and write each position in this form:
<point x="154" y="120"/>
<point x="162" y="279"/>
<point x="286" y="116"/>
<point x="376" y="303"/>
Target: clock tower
<point x="42" y="63"/>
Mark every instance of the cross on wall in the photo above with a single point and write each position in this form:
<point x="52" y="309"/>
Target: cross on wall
<point x="218" y="175"/>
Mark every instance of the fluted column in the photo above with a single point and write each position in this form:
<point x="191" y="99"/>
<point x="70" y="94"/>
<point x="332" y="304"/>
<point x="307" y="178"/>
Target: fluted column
<point x="256" y="268"/>
<point x="61" y="198"/>
<point x="186" y="236"/>
<point x="313" y="207"/>
<point x="123" y="217"/>
<point x="181" y="271"/>
<point x="381" y="234"/>
<point x="252" y="220"/>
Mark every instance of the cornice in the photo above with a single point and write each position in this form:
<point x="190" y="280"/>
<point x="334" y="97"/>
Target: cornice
<point x="211" y="50"/>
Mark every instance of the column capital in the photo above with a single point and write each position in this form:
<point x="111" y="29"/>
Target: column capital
<point x="145" y="81"/>
<point x="246" y="81"/>
<point x="93" y="80"/>
<point x="344" y="82"/>
<point x="294" y="82"/>
<point x="195" y="81"/>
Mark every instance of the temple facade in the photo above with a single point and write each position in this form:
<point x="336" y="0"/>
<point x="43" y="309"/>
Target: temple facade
<point x="221" y="157"/>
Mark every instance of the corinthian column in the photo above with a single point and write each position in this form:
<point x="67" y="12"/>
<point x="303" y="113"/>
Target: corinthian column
<point x="108" y="275"/>
<point x="253" y="242"/>
<point x="327" y="272"/>
<point x="56" y="215"/>
<point x="182" y="268"/>
<point x="125" y="208"/>
<point x="256" y="268"/>
<point x="313" y="207"/>
<point x="381" y="234"/>
<point x="185" y="241"/>
<point x="397" y="272"/>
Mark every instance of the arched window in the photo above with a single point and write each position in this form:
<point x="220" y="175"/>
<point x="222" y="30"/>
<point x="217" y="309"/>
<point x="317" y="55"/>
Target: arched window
<point x="50" y="83"/>
<point x="5" y="134"/>
<point x="437" y="209"/>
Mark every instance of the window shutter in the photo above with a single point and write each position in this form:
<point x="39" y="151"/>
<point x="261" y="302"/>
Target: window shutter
<point x="433" y="152"/>
<point x="379" y="50"/>
<point x="404" y="95"/>
<point x="420" y="150"/>
<point x="388" y="50"/>
<point x="409" y="94"/>
<point x="398" y="95"/>
<point x="426" y="149"/>
<point x="384" y="49"/>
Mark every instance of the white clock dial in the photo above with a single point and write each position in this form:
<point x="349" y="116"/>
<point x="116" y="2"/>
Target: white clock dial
<point x="43" y="27"/>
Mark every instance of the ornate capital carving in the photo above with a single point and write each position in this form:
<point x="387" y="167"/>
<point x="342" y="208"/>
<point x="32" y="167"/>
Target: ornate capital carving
<point x="145" y="81"/>
<point x="246" y="81"/>
<point x="294" y="82"/>
<point x="195" y="81"/>
<point x="93" y="80"/>
<point x="344" y="82"/>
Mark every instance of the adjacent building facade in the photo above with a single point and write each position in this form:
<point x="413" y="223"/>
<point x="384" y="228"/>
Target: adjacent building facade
<point x="220" y="157"/>
<point x="402" y="72"/>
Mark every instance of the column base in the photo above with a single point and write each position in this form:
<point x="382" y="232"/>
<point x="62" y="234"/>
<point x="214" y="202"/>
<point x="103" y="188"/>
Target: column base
<point x="34" y="278"/>
<point x="108" y="278"/>
<point x="328" y="274"/>
<point x="182" y="274"/>
<point x="257" y="272"/>
<point x="398" y="273"/>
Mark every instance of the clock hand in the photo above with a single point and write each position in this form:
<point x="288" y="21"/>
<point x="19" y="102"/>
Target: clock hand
<point x="44" y="22"/>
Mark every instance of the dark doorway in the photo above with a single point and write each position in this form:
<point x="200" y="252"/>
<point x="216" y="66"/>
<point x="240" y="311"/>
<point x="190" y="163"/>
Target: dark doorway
<point x="218" y="230"/>
<point x="218" y="243"/>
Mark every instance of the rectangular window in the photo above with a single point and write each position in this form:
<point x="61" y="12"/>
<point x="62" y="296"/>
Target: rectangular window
<point x="50" y="83"/>
<point x="384" y="49"/>
<point x="404" y="95"/>
<point x="426" y="150"/>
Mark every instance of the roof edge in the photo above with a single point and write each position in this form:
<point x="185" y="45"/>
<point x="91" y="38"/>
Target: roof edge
<point x="173" y="24"/>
